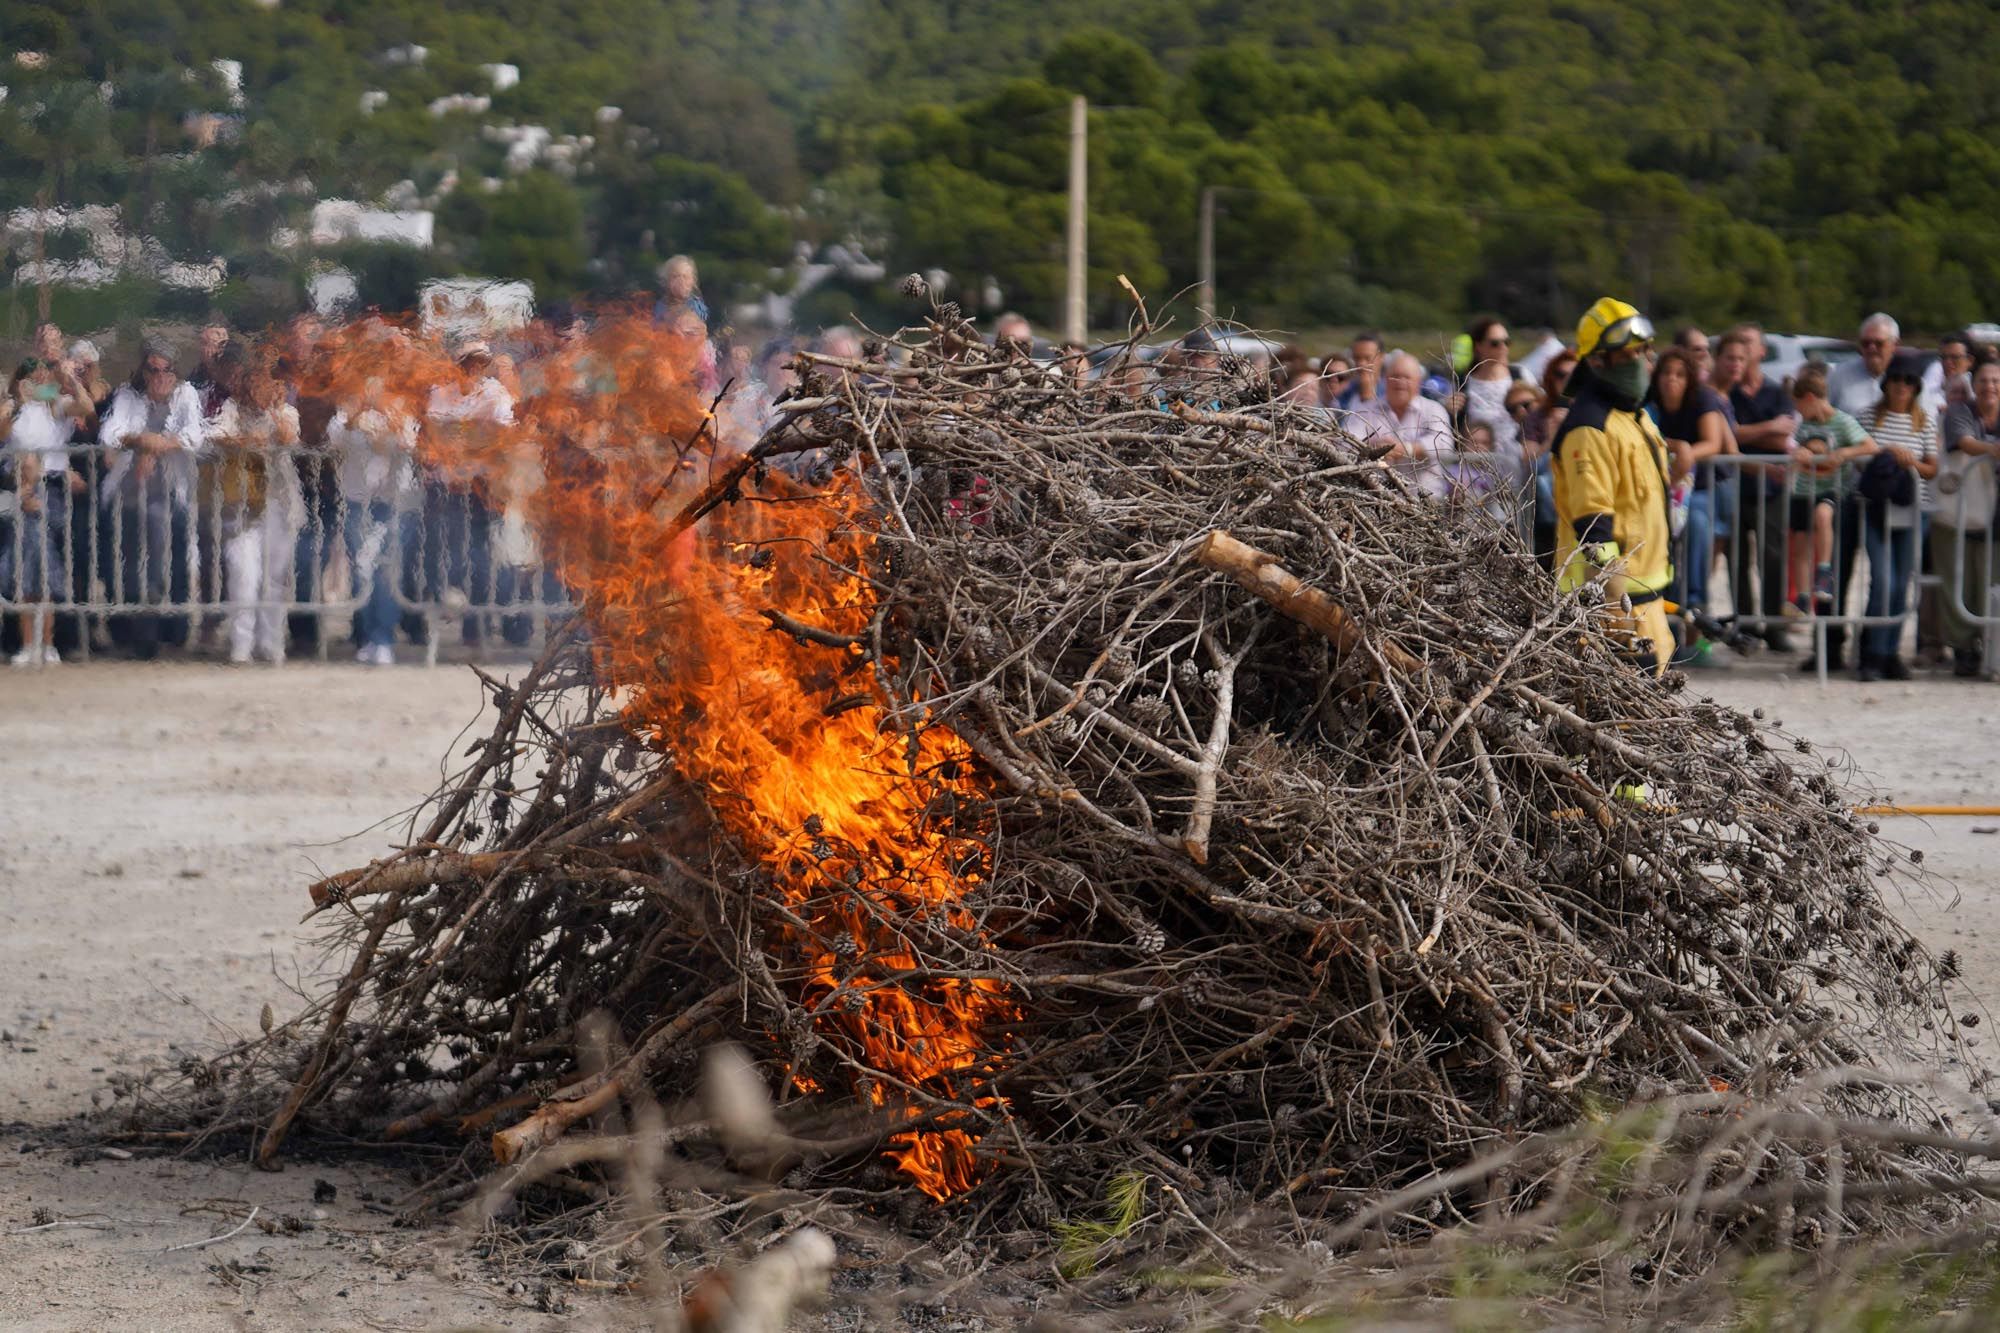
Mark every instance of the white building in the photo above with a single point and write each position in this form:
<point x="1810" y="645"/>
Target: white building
<point x="335" y="221"/>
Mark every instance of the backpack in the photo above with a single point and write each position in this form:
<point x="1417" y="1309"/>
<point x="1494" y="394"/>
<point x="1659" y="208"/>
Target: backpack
<point x="1886" y="482"/>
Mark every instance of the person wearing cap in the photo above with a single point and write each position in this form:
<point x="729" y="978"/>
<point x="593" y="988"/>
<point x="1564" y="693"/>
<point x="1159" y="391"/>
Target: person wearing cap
<point x="1610" y="475"/>
<point x="465" y="424"/>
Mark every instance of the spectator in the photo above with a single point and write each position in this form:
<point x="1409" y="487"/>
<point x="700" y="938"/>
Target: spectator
<point x="1825" y="518"/>
<point x="1539" y="425"/>
<point x="1963" y="517"/>
<point x="302" y="370"/>
<point x="465" y="422"/>
<point x="259" y="504"/>
<point x="206" y="379"/>
<point x="1302" y="384"/>
<point x="1334" y="372"/>
<point x="154" y="439"/>
<point x="1012" y="332"/>
<point x="376" y="448"/>
<point x="1948" y="381"/>
<point x="1487" y="382"/>
<point x="44" y="402"/>
<point x="1901" y="428"/>
<point x="1364" y="385"/>
<point x="1415" y="429"/>
<point x="1128" y="380"/>
<point x="685" y="330"/>
<point x="1695" y="343"/>
<point x="1765" y="420"/>
<point x="1476" y="477"/>
<point x="1199" y="353"/>
<point x="680" y="290"/>
<point x="1693" y="422"/>
<point x="843" y="342"/>
<point x="87" y="466"/>
<point x="1854" y="387"/>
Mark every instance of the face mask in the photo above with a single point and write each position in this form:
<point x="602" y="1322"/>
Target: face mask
<point x="1629" y="379"/>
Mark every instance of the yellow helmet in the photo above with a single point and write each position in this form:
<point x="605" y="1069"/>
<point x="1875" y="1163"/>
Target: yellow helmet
<point x="1609" y="325"/>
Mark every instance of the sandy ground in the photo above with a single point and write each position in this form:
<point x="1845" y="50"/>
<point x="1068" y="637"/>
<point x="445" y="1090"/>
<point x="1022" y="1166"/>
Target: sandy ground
<point x="157" y="827"/>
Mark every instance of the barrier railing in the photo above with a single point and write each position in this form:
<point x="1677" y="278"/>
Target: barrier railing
<point x="242" y="551"/>
<point x="238" y="551"/>
<point x="1774" y="524"/>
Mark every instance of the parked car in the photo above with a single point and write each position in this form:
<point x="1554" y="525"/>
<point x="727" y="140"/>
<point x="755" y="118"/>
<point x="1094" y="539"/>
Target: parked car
<point x="1786" y="354"/>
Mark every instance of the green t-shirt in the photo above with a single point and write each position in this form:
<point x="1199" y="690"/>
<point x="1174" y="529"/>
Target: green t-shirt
<point x="1839" y="431"/>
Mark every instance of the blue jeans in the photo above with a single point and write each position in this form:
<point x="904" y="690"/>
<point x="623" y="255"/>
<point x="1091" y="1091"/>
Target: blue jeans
<point x="1700" y="554"/>
<point x="371" y="554"/>
<point x="1711" y="511"/>
<point x="1892" y="563"/>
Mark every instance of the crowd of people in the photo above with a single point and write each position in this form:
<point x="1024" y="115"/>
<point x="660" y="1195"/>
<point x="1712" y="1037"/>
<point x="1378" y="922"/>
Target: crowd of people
<point x="230" y="501"/>
<point x="223" y="502"/>
<point x="1780" y="485"/>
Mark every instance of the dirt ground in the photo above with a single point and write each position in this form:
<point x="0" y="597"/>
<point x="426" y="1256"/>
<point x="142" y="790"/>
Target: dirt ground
<point x="157" y="828"/>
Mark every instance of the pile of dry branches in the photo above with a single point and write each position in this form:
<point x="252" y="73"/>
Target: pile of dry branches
<point x="1322" y="847"/>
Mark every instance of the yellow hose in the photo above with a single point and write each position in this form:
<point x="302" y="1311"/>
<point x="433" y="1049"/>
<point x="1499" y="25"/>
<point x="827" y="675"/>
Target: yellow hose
<point x="1991" y="811"/>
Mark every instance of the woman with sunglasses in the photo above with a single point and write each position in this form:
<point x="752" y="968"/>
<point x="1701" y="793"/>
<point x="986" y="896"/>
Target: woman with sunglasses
<point x="1487" y="383"/>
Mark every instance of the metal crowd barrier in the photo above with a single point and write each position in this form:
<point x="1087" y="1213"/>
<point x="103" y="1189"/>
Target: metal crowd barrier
<point x="239" y="552"/>
<point x="250" y="553"/>
<point x="1758" y="517"/>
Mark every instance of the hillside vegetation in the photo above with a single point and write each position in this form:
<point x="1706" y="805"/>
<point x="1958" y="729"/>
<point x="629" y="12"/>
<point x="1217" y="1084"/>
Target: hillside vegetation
<point x="1399" y="162"/>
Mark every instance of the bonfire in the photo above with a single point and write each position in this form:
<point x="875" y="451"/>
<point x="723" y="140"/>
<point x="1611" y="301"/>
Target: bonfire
<point x="1050" y="788"/>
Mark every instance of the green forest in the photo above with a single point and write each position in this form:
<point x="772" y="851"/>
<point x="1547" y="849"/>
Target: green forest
<point x="1396" y="162"/>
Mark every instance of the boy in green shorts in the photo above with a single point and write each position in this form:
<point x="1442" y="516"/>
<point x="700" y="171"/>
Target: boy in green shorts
<point x="1825" y="447"/>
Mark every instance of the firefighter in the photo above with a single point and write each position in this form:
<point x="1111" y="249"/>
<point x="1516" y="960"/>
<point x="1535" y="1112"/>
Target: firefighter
<point x="1611" y="482"/>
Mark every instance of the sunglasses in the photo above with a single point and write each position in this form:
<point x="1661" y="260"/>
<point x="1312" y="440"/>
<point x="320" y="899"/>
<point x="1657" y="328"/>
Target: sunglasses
<point x="1873" y="342"/>
<point x="1498" y="342"/>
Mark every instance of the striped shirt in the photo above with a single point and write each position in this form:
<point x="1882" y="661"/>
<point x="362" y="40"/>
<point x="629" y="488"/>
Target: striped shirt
<point x="1898" y="430"/>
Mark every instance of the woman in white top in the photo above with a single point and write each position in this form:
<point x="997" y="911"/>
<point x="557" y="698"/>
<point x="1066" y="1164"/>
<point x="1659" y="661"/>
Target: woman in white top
<point x="44" y="405"/>
<point x="256" y="436"/>
<point x="1486" y="387"/>
<point x="1902" y="429"/>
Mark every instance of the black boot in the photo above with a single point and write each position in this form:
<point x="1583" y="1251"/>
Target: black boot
<point x="1895" y="668"/>
<point x="1965" y="662"/>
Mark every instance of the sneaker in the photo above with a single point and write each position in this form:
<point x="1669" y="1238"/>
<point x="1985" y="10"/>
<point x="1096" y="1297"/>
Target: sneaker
<point x="1868" y="673"/>
<point x="1823" y="587"/>
<point x="1796" y="609"/>
<point x="50" y="657"/>
<point x="26" y="657"/>
<point x="1895" y="668"/>
<point x="381" y="655"/>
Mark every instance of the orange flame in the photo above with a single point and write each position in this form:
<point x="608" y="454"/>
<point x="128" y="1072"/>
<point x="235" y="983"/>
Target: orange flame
<point x="792" y="740"/>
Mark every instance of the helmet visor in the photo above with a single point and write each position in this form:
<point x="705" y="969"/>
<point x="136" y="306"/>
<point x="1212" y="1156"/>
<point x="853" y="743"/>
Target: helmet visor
<point x="1631" y="331"/>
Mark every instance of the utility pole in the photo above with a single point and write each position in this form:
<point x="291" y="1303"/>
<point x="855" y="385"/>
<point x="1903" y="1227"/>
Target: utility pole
<point x="1075" y="321"/>
<point x="1205" y="260"/>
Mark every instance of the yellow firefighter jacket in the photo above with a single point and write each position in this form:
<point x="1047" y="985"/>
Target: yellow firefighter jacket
<point x="1609" y="466"/>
